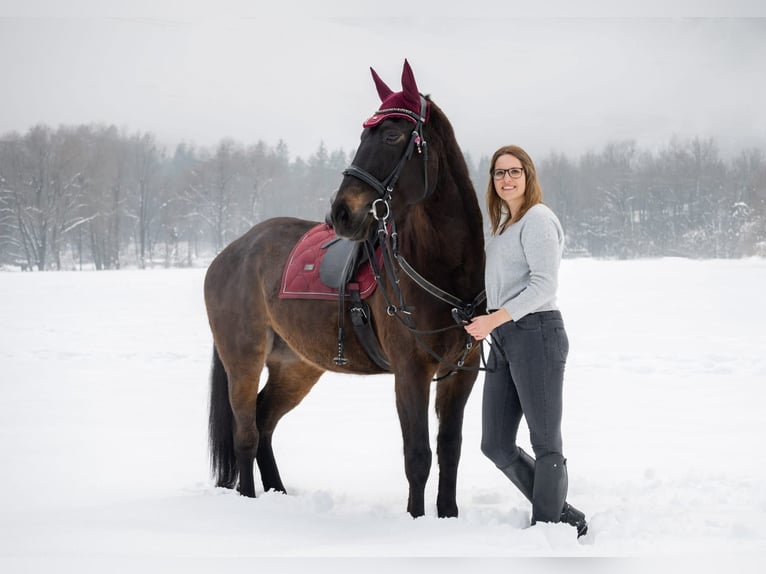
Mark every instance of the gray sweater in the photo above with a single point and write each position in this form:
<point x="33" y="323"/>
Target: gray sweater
<point x="523" y="264"/>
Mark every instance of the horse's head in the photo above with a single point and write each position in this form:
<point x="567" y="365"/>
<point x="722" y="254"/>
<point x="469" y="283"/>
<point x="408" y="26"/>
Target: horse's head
<point x="389" y="170"/>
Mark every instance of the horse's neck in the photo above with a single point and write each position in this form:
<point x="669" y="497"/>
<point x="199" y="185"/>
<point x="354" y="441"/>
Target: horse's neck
<point x="443" y="240"/>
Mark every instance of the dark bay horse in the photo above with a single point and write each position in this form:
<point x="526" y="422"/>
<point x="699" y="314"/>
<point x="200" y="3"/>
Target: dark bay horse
<point x="409" y="184"/>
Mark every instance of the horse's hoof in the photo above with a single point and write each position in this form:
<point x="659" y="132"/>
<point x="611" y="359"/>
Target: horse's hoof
<point x="247" y="493"/>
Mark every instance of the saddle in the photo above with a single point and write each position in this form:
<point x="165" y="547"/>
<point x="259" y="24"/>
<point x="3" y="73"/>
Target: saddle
<point x="325" y="266"/>
<point x="321" y="264"/>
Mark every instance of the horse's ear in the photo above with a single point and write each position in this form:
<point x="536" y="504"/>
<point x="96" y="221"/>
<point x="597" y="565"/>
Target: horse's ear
<point x="383" y="90"/>
<point x="409" y="87"/>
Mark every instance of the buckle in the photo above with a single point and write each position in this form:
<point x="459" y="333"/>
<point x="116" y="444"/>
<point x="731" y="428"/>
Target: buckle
<point x="460" y="317"/>
<point x="374" y="210"/>
<point x="358" y="316"/>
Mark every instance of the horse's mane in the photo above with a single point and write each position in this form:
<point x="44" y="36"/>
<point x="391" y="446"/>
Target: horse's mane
<point x="454" y="163"/>
<point x="454" y="205"/>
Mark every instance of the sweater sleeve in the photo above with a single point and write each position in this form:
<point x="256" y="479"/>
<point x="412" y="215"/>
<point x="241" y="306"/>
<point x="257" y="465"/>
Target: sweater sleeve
<point x="542" y="243"/>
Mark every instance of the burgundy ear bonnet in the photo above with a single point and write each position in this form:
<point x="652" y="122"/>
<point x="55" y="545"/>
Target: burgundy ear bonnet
<point x="402" y="104"/>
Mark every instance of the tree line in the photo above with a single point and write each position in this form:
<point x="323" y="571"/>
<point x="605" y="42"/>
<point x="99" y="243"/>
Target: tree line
<point x="683" y="200"/>
<point x="94" y="196"/>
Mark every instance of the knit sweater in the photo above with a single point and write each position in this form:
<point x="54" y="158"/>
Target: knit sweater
<point x="522" y="264"/>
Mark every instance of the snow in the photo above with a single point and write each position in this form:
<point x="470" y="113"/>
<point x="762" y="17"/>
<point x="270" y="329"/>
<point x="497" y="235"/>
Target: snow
<point x="103" y="437"/>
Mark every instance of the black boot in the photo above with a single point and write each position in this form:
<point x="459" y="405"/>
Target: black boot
<point x="550" y="491"/>
<point x="521" y="473"/>
<point x="570" y="515"/>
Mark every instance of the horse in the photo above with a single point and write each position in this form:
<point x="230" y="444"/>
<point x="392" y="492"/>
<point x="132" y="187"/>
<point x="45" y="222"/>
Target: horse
<point x="408" y="186"/>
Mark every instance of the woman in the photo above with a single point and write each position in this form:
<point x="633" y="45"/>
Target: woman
<point x="530" y="344"/>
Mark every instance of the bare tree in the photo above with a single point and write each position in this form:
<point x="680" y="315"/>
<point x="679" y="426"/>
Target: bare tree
<point x="41" y="193"/>
<point x="748" y="233"/>
<point x="145" y="159"/>
<point x="106" y="181"/>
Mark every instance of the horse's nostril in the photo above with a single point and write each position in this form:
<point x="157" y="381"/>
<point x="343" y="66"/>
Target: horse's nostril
<point x="340" y="215"/>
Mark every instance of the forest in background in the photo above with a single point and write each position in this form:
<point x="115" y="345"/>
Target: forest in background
<point x="97" y="197"/>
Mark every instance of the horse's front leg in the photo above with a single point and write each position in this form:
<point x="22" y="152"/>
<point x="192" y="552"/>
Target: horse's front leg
<point x="412" y="393"/>
<point x="451" y="397"/>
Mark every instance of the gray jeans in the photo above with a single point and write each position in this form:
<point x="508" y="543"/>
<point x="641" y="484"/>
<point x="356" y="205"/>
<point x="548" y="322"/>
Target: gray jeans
<point x="528" y="357"/>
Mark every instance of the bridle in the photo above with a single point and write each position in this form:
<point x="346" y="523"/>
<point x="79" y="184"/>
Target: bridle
<point x="385" y="188"/>
<point x="387" y="237"/>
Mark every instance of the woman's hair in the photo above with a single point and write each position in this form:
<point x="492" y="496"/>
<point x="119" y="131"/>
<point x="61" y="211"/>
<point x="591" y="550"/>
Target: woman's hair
<point x="499" y="215"/>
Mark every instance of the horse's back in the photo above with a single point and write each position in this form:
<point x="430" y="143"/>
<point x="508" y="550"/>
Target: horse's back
<point x="255" y="258"/>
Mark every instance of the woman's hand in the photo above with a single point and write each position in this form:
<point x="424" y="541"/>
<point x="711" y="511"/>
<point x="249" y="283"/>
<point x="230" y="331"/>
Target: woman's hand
<point x="481" y="326"/>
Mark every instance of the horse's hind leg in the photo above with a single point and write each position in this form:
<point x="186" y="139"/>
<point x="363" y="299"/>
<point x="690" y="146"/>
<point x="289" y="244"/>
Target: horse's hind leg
<point x="451" y="397"/>
<point x="289" y="382"/>
<point x="243" y="393"/>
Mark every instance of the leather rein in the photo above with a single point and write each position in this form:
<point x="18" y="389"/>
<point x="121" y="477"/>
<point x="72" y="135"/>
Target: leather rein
<point x="387" y="237"/>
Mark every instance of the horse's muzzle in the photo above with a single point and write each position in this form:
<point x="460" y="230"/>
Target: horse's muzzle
<point x="353" y="224"/>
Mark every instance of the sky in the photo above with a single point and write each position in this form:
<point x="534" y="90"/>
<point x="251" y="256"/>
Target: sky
<point x="565" y="78"/>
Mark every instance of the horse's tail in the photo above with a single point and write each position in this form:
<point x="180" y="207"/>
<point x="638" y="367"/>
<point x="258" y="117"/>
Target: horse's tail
<point x="223" y="461"/>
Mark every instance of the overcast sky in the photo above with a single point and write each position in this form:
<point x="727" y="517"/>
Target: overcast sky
<point x="299" y="71"/>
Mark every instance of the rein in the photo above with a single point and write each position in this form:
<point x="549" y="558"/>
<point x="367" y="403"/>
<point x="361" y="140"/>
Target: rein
<point x="462" y="312"/>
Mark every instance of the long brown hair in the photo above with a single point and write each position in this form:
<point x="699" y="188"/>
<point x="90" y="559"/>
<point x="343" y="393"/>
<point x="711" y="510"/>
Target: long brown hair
<point x="499" y="214"/>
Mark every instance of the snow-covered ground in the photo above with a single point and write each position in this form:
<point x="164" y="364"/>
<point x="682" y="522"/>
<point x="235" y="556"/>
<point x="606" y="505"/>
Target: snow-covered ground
<point x="103" y="398"/>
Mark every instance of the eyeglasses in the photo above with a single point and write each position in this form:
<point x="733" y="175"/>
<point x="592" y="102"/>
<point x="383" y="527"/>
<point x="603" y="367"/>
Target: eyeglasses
<point x="514" y="172"/>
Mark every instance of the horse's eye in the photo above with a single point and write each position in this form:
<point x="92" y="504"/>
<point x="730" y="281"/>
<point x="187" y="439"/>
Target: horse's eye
<point x="392" y="137"/>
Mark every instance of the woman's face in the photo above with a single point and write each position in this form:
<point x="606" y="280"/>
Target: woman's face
<point x="510" y="189"/>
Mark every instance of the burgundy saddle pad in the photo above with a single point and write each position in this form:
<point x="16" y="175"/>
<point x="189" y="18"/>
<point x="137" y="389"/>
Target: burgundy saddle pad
<point x="301" y="279"/>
